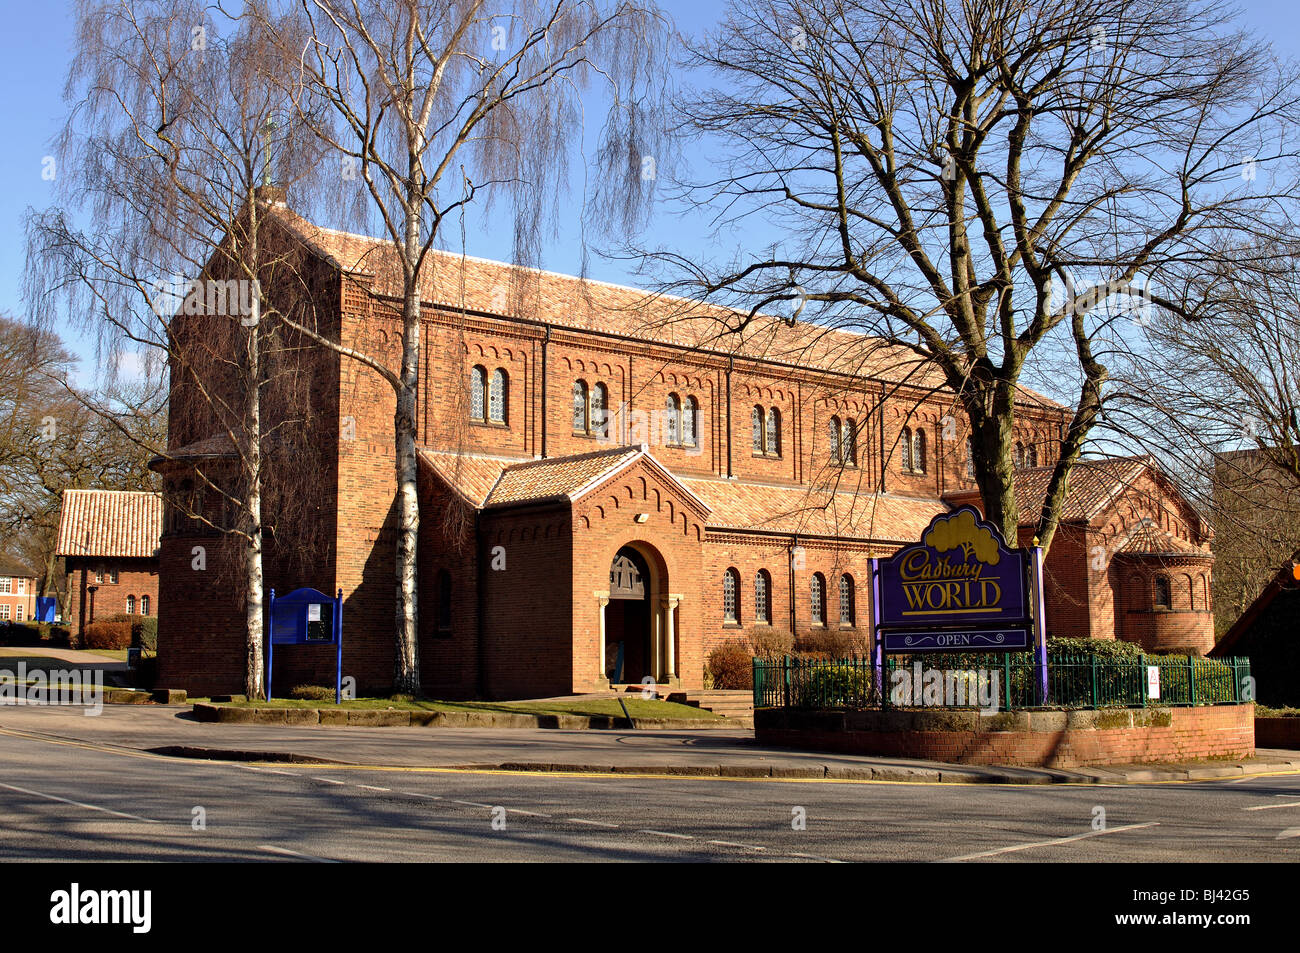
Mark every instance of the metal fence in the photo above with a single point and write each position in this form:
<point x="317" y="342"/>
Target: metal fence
<point x="1007" y="681"/>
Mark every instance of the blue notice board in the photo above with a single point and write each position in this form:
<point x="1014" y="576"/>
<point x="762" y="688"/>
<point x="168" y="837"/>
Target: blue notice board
<point x="306" y="617"/>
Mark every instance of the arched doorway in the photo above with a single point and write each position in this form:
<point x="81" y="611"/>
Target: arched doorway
<point x="629" y="619"/>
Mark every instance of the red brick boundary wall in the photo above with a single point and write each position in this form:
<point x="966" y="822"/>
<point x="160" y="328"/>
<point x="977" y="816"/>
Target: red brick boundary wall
<point x="1043" y="739"/>
<point x="1277" y="732"/>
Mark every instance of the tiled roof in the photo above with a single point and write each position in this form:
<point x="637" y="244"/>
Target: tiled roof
<point x="494" y="481"/>
<point x="813" y="512"/>
<point x="14" y="569"/>
<point x="477" y="284"/>
<point x="556" y="477"/>
<point x="1148" y="539"/>
<point x="109" y="523"/>
<point x="470" y="475"/>
<point x="1093" y="484"/>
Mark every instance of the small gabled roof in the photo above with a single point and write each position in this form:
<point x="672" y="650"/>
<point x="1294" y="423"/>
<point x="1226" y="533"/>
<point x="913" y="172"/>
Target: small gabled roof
<point x="572" y="477"/>
<point x="1092" y="487"/>
<point x="1284" y="582"/>
<point x="117" y="523"/>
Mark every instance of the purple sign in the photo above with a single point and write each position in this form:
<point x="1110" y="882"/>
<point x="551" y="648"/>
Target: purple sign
<point x="962" y="576"/>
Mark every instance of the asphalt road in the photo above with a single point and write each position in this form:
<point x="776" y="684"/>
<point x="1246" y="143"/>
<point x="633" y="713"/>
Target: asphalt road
<point x="64" y="800"/>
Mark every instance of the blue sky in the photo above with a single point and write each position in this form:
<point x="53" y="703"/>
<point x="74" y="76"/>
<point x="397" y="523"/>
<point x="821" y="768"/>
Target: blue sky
<point x="34" y="55"/>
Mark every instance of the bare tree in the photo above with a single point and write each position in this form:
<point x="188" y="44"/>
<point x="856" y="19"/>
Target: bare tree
<point x="1219" y="401"/>
<point x="438" y="104"/>
<point x="979" y="181"/>
<point x="175" y="136"/>
<point x="51" y="442"/>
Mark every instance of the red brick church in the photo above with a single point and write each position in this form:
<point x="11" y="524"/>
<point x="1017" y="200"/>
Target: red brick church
<point x="612" y="485"/>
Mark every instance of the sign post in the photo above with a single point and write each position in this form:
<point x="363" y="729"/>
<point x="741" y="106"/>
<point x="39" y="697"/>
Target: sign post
<point x="306" y="617"/>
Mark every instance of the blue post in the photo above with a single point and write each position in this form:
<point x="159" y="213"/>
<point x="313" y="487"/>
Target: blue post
<point x="338" y="640"/>
<point x="270" y="643"/>
<point x="877" y="654"/>
<point x="1040" y="622"/>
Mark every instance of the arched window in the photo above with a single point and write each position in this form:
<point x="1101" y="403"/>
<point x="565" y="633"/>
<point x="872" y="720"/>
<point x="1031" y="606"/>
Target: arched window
<point x="1162" y="592"/>
<point x="673" y="420"/>
<point x="444" y="601"/>
<point x="918" y="451"/>
<point x="849" y="443"/>
<point x="906" y="441"/>
<point x="1191" y="591"/>
<point x="773" y="448"/>
<point x="818" y="587"/>
<point x="144" y="605"/>
<point x="762" y="596"/>
<point x="757" y="419"/>
<point x="599" y="410"/>
<point x="581" y="408"/>
<point x="1033" y="455"/>
<point x="477" y="393"/>
<point x="1020" y="454"/>
<point x="970" y="458"/>
<point x="846" y="599"/>
<point x="1205" y="594"/>
<point x="691" y="423"/>
<point x="835" y="440"/>
<point x="730" y="597"/>
<point x="497" y="396"/>
<point x="130" y="605"/>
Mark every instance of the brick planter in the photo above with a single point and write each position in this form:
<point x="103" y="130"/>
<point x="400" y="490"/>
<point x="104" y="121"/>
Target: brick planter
<point x="1056" y="739"/>
<point x="1277" y="732"/>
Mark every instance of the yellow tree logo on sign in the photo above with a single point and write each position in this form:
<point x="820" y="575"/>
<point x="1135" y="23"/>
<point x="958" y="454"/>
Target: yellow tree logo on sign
<point x="960" y="531"/>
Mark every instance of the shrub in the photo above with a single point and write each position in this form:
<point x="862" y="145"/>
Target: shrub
<point x="107" y="635"/>
<point x="831" y="643"/>
<point x="1102" y="648"/>
<point x="732" y="666"/>
<point x="144" y="630"/>
<point x="771" y="643"/>
<point x="315" y="693"/>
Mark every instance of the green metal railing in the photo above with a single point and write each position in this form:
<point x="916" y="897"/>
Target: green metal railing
<point x="1010" y="681"/>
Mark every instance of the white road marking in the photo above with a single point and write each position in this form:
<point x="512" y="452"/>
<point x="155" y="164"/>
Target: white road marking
<point x="1050" y="843"/>
<point x="431" y="797"/>
<point x="89" y="807"/>
<point x="329" y="780"/>
<point x="667" y="834"/>
<point x="1289" y="832"/>
<point x="471" y="803"/>
<point x="579" y="820"/>
<point x="515" y="810"/>
<point x="727" y="843"/>
<point x="271" y="849"/>
<point x="1269" y="807"/>
<point x="371" y="787"/>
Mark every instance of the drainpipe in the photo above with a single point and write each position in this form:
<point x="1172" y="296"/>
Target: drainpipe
<point x="794" y="542"/>
<point x="481" y="679"/>
<point x="546" y="339"/>
<point x="730" y="363"/>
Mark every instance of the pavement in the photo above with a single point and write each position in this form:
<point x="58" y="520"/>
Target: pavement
<point x="172" y="730"/>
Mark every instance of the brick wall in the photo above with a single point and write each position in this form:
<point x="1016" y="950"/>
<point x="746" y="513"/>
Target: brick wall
<point x="1032" y="739"/>
<point x="135" y="577"/>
